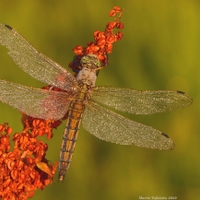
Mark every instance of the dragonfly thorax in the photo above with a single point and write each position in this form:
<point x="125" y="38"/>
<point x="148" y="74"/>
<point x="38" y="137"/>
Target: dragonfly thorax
<point x="89" y="68"/>
<point x="87" y="76"/>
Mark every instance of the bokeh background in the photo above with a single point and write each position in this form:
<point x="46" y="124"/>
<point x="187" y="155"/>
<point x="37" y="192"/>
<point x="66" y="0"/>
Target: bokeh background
<point x="160" y="50"/>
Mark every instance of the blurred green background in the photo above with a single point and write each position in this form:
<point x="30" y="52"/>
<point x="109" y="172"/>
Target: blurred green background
<point x="160" y="50"/>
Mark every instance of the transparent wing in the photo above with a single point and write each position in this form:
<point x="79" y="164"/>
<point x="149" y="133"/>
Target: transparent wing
<point x="33" y="62"/>
<point x="141" y="102"/>
<point x="112" y="127"/>
<point x="35" y="102"/>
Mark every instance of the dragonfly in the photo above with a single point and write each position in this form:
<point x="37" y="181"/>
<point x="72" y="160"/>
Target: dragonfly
<point x="85" y="103"/>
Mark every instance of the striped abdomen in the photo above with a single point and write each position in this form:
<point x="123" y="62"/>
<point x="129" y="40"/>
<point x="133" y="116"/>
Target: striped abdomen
<point x="70" y="136"/>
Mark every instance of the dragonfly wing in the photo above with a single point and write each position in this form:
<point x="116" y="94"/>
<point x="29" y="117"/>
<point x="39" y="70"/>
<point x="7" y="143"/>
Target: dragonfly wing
<point x="112" y="127"/>
<point x="141" y="102"/>
<point x="35" y="102"/>
<point x="33" y="62"/>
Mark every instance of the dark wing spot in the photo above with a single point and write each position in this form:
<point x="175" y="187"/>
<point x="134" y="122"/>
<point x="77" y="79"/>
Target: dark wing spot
<point x="7" y="26"/>
<point x="180" y="92"/>
<point x="165" y="135"/>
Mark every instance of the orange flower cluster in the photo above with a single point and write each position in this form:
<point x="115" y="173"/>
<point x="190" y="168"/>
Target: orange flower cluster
<point x="103" y="41"/>
<point x="25" y="169"/>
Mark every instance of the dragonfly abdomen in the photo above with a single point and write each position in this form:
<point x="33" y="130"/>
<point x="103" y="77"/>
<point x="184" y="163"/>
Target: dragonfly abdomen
<point x="73" y="121"/>
<point x="70" y="137"/>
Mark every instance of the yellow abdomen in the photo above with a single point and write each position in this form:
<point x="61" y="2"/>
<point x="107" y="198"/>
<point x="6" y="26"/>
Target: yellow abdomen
<point x="70" y="134"/>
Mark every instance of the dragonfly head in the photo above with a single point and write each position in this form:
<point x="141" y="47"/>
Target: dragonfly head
<point x="90" y="61"/>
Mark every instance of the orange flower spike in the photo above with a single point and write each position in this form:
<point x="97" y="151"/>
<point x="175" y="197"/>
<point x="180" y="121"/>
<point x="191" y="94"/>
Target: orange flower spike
<point x="101" y="47"/>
